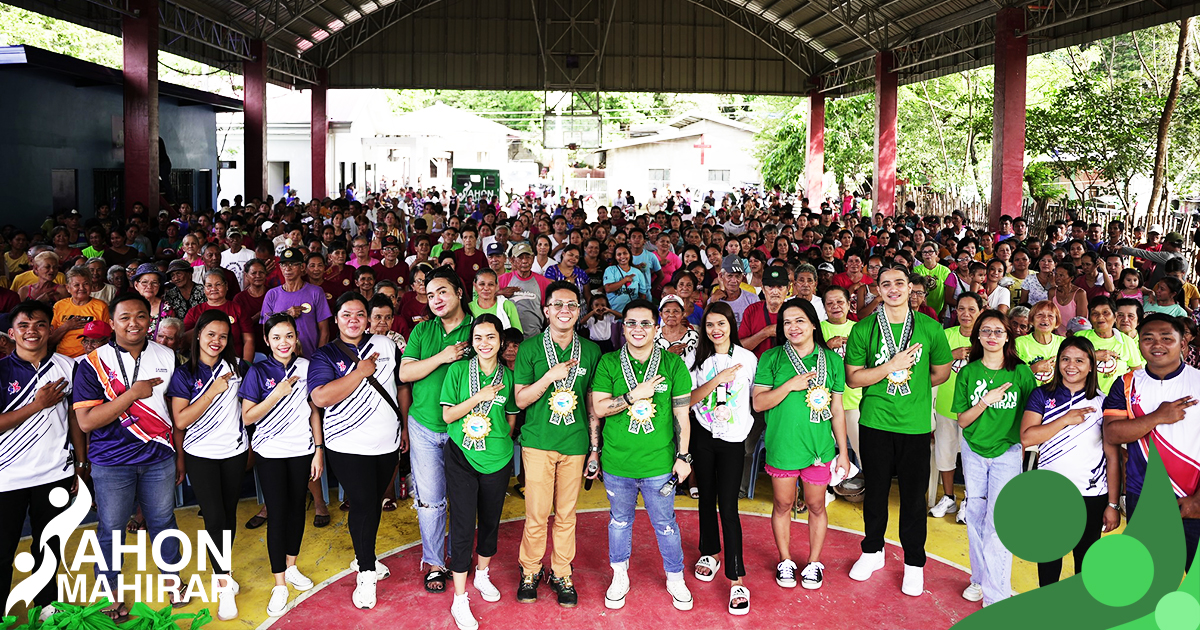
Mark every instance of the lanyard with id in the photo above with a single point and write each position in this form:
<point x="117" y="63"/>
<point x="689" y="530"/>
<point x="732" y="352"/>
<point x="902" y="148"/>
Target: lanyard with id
<point x="137" y="366"/>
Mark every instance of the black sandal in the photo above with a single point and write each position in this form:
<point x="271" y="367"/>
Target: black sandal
<point x="117" y="612"/>
<point x="256" y="521"/>
<point x="436" y="576"/>
<point x="320" y="520"/>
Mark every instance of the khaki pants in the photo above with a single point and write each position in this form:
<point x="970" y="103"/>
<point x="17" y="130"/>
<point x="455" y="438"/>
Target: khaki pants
<point x="552" y="480"/>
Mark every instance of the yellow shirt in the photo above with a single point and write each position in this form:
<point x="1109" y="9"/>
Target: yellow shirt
<point x="1189" y="293"/>
<point x="71" y="345"/>
<point x="13" y="265"/>
<point x="28" y="278"/>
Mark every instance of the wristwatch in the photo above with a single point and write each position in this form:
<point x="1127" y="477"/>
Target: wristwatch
<point x="1114" y="506"/>
<point x="684" y="457"/>
<point x="593" y="449"/>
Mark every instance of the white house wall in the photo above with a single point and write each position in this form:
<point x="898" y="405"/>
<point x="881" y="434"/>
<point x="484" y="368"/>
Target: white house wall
<point x="732" y="149"/>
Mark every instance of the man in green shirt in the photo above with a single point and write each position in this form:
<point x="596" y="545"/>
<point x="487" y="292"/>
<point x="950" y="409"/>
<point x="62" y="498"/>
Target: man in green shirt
<point x="936" y="296"/>
<point x="432" y="347"/>
<point x="644" y="392"/>
<point x="554" y="372"/>
<point x="897" y="356"/>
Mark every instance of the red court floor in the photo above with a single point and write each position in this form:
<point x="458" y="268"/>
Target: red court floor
<point x="841" y="604"/>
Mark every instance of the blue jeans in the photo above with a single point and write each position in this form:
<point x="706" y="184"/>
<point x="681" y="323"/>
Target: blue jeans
<point x="429" y="487"/>
<point x="118" y="489"/>
<point x="991" y="562"/>
<point x="622" y="499"/>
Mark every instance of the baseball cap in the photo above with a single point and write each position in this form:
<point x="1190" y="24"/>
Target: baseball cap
<point x="1174" y="238"/>
<point x="670" y="298"/>
<point x="233" y="234"/>
<point x="775" y="277"/>
<point x="1155" y="229"/>
<point x="179" y="265"/>
<point x="390" y="241"/>
<point x="732" y="264"/>
<point x="826" y="267"/>
<point x="96" y="329"/>
<point x="495" y="249"/>
<point x="167" y="254"/>
<point x="520" y="249"/>
<point x="267" y="225"/>
<point x="291" y="255"/>
<point x="1076" y="324"/>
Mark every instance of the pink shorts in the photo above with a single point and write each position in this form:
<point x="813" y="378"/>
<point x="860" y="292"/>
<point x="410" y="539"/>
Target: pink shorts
<point x="817" y="474"/>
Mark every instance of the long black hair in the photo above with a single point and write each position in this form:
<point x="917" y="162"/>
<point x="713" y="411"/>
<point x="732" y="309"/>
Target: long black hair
<point x="704" y="346"/>
<point x="227" y="354"/>
<point x="810" y="312"/>
<point x="1011" y="360"/>
<point x="1091" y="385"/>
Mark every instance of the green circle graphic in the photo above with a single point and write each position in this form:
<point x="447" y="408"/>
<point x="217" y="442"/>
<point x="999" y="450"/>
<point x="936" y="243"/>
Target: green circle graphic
<point x="1118" y="570"/>
<point x="1177" y="611"/>
<point x="1040" y="516"/>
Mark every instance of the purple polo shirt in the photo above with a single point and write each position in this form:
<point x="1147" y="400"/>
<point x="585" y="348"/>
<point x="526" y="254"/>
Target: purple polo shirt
<point x="278" y="300"/>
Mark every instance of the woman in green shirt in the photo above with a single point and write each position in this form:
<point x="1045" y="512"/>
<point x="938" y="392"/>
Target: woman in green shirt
<point x="1039" y="348"/>
<point x="989" y="398"/>
<point x="799" y="385"/>
<point x="480" y="409"/>
<point x="1116" y="354"/>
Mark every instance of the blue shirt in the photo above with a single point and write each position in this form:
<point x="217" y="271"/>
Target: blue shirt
<point x="142" y="434"/>
<point x="285" y="430"/>
<point x="35" y="451"/>
<point x="218" y="433"/>
<point x="362" y="423"/>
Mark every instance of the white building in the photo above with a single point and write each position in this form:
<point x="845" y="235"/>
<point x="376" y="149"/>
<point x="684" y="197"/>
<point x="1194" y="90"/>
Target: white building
<point x="695" y="150"/>
<point x="368" y="144"/>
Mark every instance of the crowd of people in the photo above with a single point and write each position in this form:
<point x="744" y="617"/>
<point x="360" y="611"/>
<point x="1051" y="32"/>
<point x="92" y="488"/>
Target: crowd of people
<point x="420" y="337"/>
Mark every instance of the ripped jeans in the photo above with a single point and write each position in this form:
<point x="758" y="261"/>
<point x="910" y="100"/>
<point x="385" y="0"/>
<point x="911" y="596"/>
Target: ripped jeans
<point x="622" y="499"/>
<point x="425" y="450"/>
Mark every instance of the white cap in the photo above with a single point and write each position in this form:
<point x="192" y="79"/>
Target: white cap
<point x="267" y="225"/>
<point x="1156" y="228"/>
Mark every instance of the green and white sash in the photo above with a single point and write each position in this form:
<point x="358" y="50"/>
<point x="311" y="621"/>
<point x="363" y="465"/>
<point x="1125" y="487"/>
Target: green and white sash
<point x="477" y="424"/>
<point x="898" y="380"/>
<point x="563" y="400"/>
<point x="641" y="413"/>
<point x="819" y="398"/>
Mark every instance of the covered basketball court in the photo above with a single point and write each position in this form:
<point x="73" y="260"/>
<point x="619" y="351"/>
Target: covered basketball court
<point x="819" y="48"/>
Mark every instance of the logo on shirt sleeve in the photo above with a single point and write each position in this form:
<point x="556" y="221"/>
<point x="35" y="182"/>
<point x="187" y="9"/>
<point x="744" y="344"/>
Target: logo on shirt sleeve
<point x="271" y="383"/>
<point x="14" y="387"/>
<point x="341" y="366"/>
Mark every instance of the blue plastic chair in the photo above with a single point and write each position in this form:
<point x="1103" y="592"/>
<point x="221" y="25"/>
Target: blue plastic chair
<point x="756" y="462"/>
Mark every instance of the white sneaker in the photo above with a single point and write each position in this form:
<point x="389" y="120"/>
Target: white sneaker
<point x="237" y="588"/>
<point x="681" y="597"/>
<point x="866" y="565"/>
<point x="973" y="593"/>
<point x="226" y="605"/>
<point x="381" y="570"/>
<point x="830" y="497"/>
<point x="299" y="581"/>
<point x="614" y="597"/>
<point x="364" y="592"/>
<point x="812" y="576"/>
<point x="785" y="574"/>
<point x="914" y="581"/>
<point x="961" y="518"/>
<point x="483" y="584"/>
<point x="278" y="603"/>
<point x="946" y="505"/>
<point x="461" y="611"/>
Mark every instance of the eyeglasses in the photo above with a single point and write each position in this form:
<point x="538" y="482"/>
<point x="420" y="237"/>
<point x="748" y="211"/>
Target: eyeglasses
<point x="992" y="332"/>
<point x="560" y="305"/>
<point x="644" y="325"/>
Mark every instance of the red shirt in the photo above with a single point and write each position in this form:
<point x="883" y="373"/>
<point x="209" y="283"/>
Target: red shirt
<point x="467" y="265"/>
<point x="238" y="323"/>
<point x="411" y="311"/>
<point x="337" y="284"/>
<point x="754" y="319"/>
<point x="398" y="274"/>
<point x="252" y="308"/>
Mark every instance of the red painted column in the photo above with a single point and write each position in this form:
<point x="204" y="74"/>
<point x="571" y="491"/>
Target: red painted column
<point x="814" y="161"/>
<point x="320" y="134"/>
<point x="886" y="89"/>
<point x="139" y="37"/>
<point x="1008" y="116"/>
<point x="254" y="114"/>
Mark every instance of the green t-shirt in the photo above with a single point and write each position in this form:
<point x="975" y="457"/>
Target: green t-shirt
<point x="945" y="391"/>
<point x="794" y="441"/>
<point x="497" y="449"/>
<point x="438" y="249"/>
<point x="426" y="340"/>
<point x="908" y="413"/>
<point x="1030" y="351"/>
<point x="641" y="455"/>
<point x="538" y="432"/>
<point x="999" y="426"/>
<point x="853" y="395"/>
<point x="504" y="309"/>
<point x="1109" y="371"/>
<point x="935" y="297"/>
